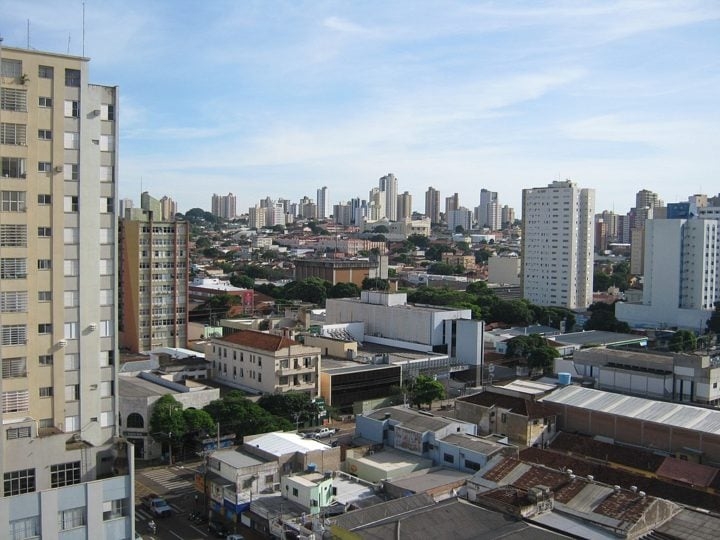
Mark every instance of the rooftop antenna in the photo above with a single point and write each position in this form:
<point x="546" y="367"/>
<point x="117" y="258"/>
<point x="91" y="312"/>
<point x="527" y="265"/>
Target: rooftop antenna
<point x="68" y="45"/>
<point x="28" y="33"/>
<point x="83" y="29"/>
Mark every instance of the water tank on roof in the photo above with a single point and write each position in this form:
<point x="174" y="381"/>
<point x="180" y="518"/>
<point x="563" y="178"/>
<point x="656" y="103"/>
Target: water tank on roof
<point x="312" y="467"/>
<point x="564" y="378"/>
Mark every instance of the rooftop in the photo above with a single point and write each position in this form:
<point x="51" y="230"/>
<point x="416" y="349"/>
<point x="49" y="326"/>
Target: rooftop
<point x="671" y="414"/>
<point x="476" y="444"/>
<point x="517" y="405"/>
<point x="258" y="340"/>
<point x="280" y="443"/>
<point x="597" y="337"/>
<point x="236" y="458"/>
<point x="412" y="419"/>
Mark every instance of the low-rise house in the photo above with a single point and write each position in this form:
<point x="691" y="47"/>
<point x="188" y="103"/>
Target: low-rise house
<point x="312" y="490"/>
<point x="376" y="466"/>
<point x="523" y="421"/>
<point x="264" y="363"/>
<point x="409" y="430"/>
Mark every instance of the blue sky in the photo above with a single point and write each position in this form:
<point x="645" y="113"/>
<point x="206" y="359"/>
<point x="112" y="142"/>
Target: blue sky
<point x="279" y="98"/>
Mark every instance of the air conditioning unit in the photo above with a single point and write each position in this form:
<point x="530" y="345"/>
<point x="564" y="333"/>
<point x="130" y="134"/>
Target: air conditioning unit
<point x="58" y="168"/>
<point x="96" y="112"/>
<point x="62" y="343"/>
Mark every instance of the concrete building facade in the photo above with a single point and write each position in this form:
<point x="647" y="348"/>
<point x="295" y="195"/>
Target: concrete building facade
<point x="558" y="245"/>
<point x="58" y="302"/>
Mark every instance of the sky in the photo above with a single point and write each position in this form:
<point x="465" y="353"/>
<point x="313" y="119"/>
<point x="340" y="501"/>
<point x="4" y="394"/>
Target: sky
<point x="270" y="98"/>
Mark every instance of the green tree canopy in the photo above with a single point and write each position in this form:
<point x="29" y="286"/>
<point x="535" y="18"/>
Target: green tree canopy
<point x="290" y="404"/>
<point x="713" y="324"/>
<point x="381" y="229"/>
<point x="425" y="390"/>
<point x="343" y="290"/>
<point x="239" y="415"/>
<point x="375" y="284"/>
<point x="197" y="420"/>
<point x="242" y="281"/>
<point x="313" y="290"/>
<point x="419" y="240"/>
<point x="602" y="317"/>
<point x="683" y="341"/>
<point x="167" y="420"/>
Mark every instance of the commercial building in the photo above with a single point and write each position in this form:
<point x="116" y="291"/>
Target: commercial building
<point x="62" y="463"/>
<point x="558" y="245"/>
<point x="154" y="258"/>
<point x="341" y="270"/>
<point x="432" y="205"/>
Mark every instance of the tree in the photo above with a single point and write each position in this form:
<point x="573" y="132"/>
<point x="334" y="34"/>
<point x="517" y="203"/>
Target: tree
<point x="381" y="229"/>
<point x="344" y="290"/>
<point x="441" y="269"/>
<point x="239" y="415"/>
<point x="312" y="289"/>
<point x="167" y="422"/>
<point x="375" y="284"/>
<point x="426" y="390"/>
<point x="534" y="349"/>
<point x="244" y="282"/>
<point x="602" y="317"/>
<point x="197" y="420"/>
<point x="683" y="341"/>
<point x="713" y="324"/>
<point x="419" y="240"/>
<point x="296" y="407"/>
<point x="601" y="281"/>
<point x="459" y="229"/>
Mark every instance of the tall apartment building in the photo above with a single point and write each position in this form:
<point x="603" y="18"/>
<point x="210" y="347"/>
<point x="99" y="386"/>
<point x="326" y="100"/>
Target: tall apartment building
<point x="404" y="206"/>
<point x="323" y="203"/>
<point x="224" y="206"/>
<point x="489" y="212"/>
<point x="168" y="207"/>
<point x="388" y="185"/>
<point x="66" y="473"/>
<point x="451" y="203"/>
<point x="256" y="217"/>
<point x="154" y="263"/>
<point x="432" y="205"/>
<point x="460" y="217"/>
<point x="557" y="245"/>
<point x="507" y="215"/>
<point x="681" y="274"/>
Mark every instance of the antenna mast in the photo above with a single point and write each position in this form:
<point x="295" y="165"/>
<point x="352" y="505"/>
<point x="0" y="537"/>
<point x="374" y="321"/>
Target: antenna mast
<point x="83" y="29"/>
<point x="28" y="33"/>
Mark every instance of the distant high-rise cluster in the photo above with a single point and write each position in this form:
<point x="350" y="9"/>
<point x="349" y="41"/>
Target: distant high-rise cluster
<point x="224" y="206"/>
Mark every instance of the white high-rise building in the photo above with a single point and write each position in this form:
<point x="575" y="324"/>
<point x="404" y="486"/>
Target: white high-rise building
<point x="323" y="203"/>
<point x="388" y="185"/>
<point x="489" y="211"/>
<point x="66" y="471"/>
<point x="557" y="245"/>
<point x="681" y="275"/>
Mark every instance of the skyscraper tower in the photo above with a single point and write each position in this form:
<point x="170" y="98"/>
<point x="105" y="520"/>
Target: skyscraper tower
<point x="432" y="205"/>
<point x="323" y="204"/>
<point x="557" y="245"/>
<point x="388" y="184"/>
<point x="59" y="446"/>
<point x="404" y="206"/>
<point x="489" y="210"/>
<point x="224" y="206"/>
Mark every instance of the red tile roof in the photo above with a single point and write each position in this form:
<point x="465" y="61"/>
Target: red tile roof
<point x="687" y="472"/>
<point x="259" y="340"/>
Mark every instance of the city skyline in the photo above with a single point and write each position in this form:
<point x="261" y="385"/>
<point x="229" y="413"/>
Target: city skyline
<point x="614" y="96"/>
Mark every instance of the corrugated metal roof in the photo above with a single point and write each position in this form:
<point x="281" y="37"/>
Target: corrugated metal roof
<point x="672" y="414"/>
<point x="281" y="443"/>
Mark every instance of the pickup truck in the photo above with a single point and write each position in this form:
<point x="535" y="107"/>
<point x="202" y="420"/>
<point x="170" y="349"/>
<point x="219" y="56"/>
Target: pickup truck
<point x="157" y="506"/>
<point x="324" y="432"/>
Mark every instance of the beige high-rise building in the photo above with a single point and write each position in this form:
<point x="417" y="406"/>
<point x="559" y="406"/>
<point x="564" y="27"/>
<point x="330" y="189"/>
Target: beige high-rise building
<point x="404" y="206"/>
<point x="224" y="206"/>
<point x="59" y="446"/>
<point x="432" y="205"/>
<point x="558" y="245"/>
<point x="154" y="270"/>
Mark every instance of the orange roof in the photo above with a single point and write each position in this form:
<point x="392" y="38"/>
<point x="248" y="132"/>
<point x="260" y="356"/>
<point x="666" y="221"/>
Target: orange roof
<point x="687" y="472"/>
<point x="259" y="340"/>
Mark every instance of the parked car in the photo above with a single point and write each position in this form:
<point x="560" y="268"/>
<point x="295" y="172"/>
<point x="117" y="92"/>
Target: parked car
<point x="324" y="432"/>
<point x="218" y="528"/>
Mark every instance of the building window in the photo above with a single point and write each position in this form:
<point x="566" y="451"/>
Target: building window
<point x="72" y="392"/>
<point x="13" y="235"/>
<point x="46" y="391"/>
<point x="44" y="328"/>
<point x="72" y="77"/>
<point x="10" y="68"/>
<point x="115" y="509"/>
<point x="15" y="134"/>
<point x="71" y="267"/>
<point x="106" y="328"/>
<point x="107" y="112"/>
<point x="72" y="109"/>
<point x="107" y="419"/>
<point x="13" y="268"/>
<point x="44" y="101"/>
<point x="448" y="458"/>
<point x="44" y="199"/>
<point x="19" y="482"/>
<point x="72" y="362"/>
<point x="106" y="389"/>
<point x="45" y="72"/>
<point x="25" y="528"/>
<point x="71" y="140"/>
<point x="44" y="264"/>
<point x="107" y="143"/>
<point x="71" y="171"/>
<point x="14" y="334"/>
<point x="44" y="166"/>
<point x="72" y="203"/>
<point x="295" y="492"/>
<point x="12" y="201"/>
<point x="13" y="368"/>
<point x="71" y="330"/>
<point x="18" y="433"/>
<point x="72" y="518"/>
<point x="106" y="173"/>
<point x="44" y="134"/>
<point x="13" y="99"/>
<point x="44" y="232"/>
<point x="71" y="235"/>
<point x="45" y="359"/>
<point x="71" y="298"/>
<point x="14" y="302"/>
<point x="65" y="474"/>
<point x="12" y="167"/>
<point x="15" y="401"/>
